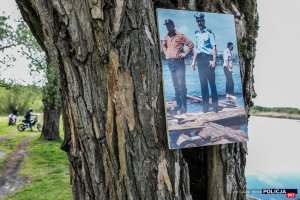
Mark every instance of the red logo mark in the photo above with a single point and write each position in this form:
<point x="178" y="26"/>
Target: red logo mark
<point x="290" y="195"/>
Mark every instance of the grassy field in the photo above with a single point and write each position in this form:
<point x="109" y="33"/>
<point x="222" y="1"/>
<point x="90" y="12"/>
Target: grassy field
<point x="4" y="128"/>
<point x="9" y="145"/>
<point x="46" y="166"/>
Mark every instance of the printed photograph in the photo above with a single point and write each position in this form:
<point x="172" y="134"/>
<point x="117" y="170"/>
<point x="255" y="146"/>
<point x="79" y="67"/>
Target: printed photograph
<point x="201" y="79"/>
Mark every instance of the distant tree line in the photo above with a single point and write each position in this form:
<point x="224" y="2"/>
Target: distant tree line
<point x="257" y="109"/>
<point x="15" y="96"/>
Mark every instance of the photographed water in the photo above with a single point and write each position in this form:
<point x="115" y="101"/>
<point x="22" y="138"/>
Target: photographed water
<point x="193" y="84"/>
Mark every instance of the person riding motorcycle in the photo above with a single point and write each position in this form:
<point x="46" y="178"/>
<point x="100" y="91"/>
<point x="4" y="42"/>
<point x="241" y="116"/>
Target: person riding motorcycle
<point x="29" y="123"/>
<point x="27" y="116"/>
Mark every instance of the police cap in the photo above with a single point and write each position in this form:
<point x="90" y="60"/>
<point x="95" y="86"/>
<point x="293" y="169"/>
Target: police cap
<point x="199" y="16"/>
<point x="168" y="22"/>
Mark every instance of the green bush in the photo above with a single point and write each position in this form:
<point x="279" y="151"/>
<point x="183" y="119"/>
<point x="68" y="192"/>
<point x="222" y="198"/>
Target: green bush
<point x="20" y="97"/>
<point x="256" y="109"/>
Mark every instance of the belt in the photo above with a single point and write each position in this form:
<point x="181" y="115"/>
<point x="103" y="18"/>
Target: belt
<point x="175" y="59"/>
<point x="204" y="55"/>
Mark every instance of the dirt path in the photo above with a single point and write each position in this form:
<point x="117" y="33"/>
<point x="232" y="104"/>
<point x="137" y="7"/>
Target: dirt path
<point x="7" y="136"/>
<point x="9" y="179"/>
<point x="2" y="154"/>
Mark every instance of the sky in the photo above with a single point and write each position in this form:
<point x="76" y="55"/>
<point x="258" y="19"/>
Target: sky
<point x="273" y="143"/>
<point x="19" y="72"/>
<point x="273" y="146"/>
<point x="277" y="67"/>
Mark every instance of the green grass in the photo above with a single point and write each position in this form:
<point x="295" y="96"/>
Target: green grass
<point x="4" y="128"/>
<point x="46" y="166"/>
<point x="9" y="145"/>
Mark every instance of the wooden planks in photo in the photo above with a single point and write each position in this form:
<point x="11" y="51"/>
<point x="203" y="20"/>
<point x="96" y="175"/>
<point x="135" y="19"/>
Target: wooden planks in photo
<point x="200" y="129"/>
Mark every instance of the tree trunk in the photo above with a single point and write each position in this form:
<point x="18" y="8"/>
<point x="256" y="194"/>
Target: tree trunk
<point x="107" y="53"/>
<point x="52" y="105"/>
<point x="50" y="129"/>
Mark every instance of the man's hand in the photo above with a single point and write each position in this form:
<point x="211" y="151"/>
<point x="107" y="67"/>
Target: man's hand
<point x="181" y="55"/>
<point x="212" y="64"/>
<point x="230" y="68"/>
<point x="193" y="66"/>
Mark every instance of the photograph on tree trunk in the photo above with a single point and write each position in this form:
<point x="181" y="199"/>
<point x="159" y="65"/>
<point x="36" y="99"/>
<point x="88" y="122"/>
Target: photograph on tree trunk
<point x="202" y="84"/>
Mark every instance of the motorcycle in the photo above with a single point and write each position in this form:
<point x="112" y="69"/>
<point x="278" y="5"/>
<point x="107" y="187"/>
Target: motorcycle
<point x="22" y="127"/>
<point x="12" y="119"/>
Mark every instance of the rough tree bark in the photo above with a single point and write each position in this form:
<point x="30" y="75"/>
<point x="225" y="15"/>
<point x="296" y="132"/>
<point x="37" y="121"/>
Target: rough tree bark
<point x="50" y="129"/>
<point x="107" y="53"/>
<point x="52" y="105"/>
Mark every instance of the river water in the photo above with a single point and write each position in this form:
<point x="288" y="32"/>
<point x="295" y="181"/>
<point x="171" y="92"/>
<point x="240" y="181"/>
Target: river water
<point x="193" y="84"/>
<point x="273" y="160"/>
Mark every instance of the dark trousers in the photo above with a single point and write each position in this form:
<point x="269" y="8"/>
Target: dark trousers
<point x="28" y="121"/>
<point x="207" y="76"/>
<point x="229" y="81"/>
<point x="177" y="69"/>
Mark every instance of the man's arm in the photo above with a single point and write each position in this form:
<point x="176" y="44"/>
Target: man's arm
<point x="227" y="58"/>
<point x="194" y="59"/>
<point x="214" y="49"/>
<point x="227" y="63"/>
<point x="164" y="45"/>
<point x="214" y="54"/>
<point x="33" y="114"/>
<point x="188" y="43"/>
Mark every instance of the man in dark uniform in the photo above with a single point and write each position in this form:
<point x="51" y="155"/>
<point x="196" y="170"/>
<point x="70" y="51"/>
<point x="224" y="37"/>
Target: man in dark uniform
<point x="205" y="55"/>
<point x="27" y="116"/>
<point x="173" y="48"/>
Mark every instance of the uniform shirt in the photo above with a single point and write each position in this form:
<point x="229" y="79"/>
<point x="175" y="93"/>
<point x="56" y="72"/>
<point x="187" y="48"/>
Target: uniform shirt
<point x="173" y="46"/>
<point x="28" y="115"/>
<point x="227" y="57"/>
<point x="205" y="41"/>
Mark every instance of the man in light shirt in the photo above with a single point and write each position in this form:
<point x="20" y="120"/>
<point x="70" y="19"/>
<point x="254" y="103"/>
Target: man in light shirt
<point x="227" y="57"/>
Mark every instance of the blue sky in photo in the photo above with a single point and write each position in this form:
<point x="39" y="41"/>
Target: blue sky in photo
<point x="222" y="25"/>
